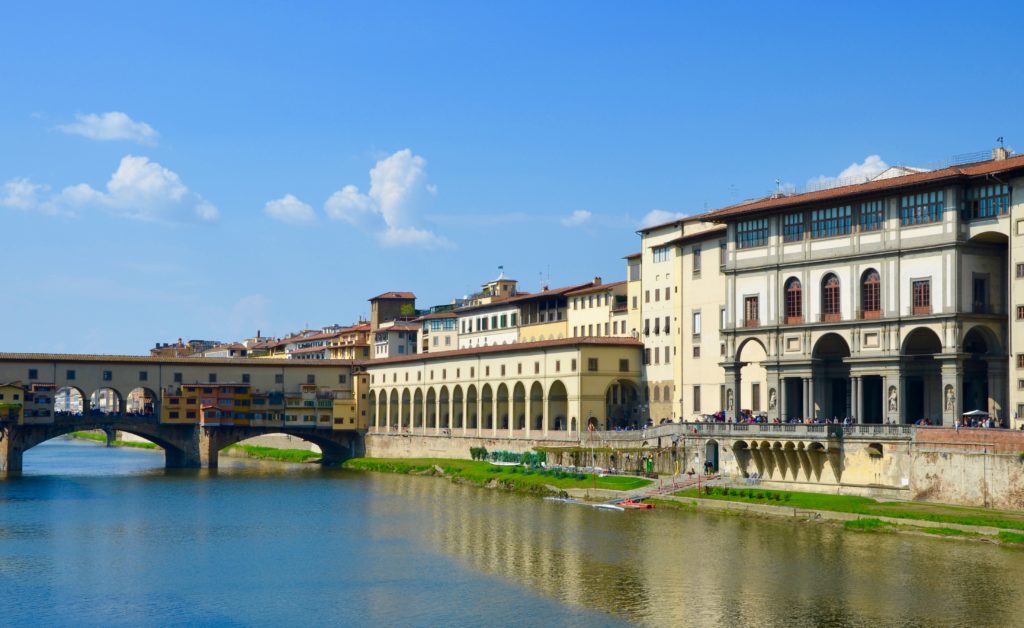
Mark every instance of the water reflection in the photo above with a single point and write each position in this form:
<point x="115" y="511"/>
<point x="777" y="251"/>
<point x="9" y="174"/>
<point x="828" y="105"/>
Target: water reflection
<point x="701" y="569"/>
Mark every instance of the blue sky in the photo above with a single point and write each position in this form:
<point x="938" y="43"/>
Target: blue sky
<point x="204" y="170"/>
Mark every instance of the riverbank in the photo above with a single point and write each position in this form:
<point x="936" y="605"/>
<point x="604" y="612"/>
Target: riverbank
<point x="481" y="473"/>
<point x="256" y="452"/>
<point x="100" y="437"/>
<point x="860" y="513"/>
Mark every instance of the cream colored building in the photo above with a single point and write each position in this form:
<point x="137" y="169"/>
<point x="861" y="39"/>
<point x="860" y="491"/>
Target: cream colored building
<point x="598" y="310"/>
<point x="518" y="390"/>
<point x="888" y="301"/>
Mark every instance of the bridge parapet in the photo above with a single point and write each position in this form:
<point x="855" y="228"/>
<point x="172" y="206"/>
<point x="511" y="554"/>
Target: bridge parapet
<point x="801" y="431"/>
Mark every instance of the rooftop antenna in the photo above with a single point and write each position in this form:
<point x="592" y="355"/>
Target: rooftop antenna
<point x="1000" y="140"/>
<point x="778" y="187"/>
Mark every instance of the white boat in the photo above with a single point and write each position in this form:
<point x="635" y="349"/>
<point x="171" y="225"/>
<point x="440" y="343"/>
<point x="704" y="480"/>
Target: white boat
<point x="610" y="507"/>
<point x="505" y="464"/>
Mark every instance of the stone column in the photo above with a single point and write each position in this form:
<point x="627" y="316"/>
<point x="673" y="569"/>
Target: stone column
<point x="494" y="414"/>
<point x="773" y="384"/>
<point x="400" y="413"/>
<point x="479" y="413"/>
<point x="952" y="390"/>
<point x="998" y="390"/>
<point x="858" y="407"/>
<point x="437" y="413"/>
<point x="782" y="398"/>
<point x="808" y="399"/>
<point x="465" y="412"/>
<point x="733" y="384"/>
<point x="544" y="412"/>
<point x="529" y="415"/>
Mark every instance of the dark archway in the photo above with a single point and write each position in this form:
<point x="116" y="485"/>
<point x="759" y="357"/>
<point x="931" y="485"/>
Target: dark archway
<point x="622" y="404"/>
<point x="537" y="406"/>
<point x="711" y="455"/>
<point x="922" y="376"/>
<point x="558" y="407"/>
<point x="832" y="376"/>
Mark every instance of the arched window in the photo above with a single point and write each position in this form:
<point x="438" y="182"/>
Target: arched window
<point x="870" y="294"/>
<point x="794" y="301"/>
<point x="830" y="298"/>
<point x="657" y="394"/>
<point x="667" y="396"/>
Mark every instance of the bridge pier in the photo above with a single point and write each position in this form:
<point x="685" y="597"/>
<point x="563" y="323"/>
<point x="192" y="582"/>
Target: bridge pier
<point x="11" y="452"/>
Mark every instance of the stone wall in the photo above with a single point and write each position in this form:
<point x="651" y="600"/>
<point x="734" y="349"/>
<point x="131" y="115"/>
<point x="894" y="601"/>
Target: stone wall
<point x="971" y="467"/>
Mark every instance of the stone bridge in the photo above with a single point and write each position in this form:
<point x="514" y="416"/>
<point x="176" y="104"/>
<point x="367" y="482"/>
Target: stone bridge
<point x="185" y="446"/>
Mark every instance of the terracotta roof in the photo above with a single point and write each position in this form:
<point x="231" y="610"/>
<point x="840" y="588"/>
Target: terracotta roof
<point x="674" y="221"/>
<point x="446" y="314"/>
<point x="309" y="350"/>
<point x="400" y="327"/>
<point x="140" y="359"/>
<point x="393" y="295"/>
<point x="633" y="256"/>
<point x="953" y="173"/>
<point x="697" y="237"/>
<point x="517" y="346"/>
<point x="598" y="288"/>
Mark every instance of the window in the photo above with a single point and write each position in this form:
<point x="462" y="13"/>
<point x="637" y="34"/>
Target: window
<point x="722" y="318"/>
<point x="696" y="323"/>
<point x="657" y="294"/>
<point x="666" y="324"/>
<point x="311" y="379"/>
<point x="793" y="227"/>
<point x="279" y="378"/>
<point x="722" y="251"/>
<point x="591" y="364"/>
<point x="986" y="201"/>
<point x="212" y="378"/>
<point x="870" y="294"/>
<point x="634" y="272"/>
<point x="623" y="366"/>
<point x="342" y="379"/>
<point x="177" y="378"/>
<point x="503" y="370"/>
<point x="662" y="253"/>
<point x="647" y="356"/>
<point x="872" y="215"/>
<point x="657" y="355"/>
<point x="919" y="209"/>
<point x="245" y="378"/>
<point x="512" y="319"/>
<point x="831" y="222"/>
<point x="668" y="355"/>
<point x="647" y="296"/>
<point x="1020" y="360"/>
<point x="536" y="368"/>
<point x="634" y="302"/>
<point x="696" y="398"/>
<point x="794" y="301"/>
<point x="558" y="366"/>
<point x="1020" y="271"/>
<point x="830" y="306"/>
<point x="751" y="233"/>
<point x="657" y="326"/>
<point x="696" y="351"/>
<point x="979" y="292"/>
<point x="33" y="374"/>
<point x="751" y="315"/>
<point x="696" y="260"/>
<point x="107" y="376"/>
<point x="922" y="296"/>
<point x="657" y="393"/>
<point x="755" y="396"/>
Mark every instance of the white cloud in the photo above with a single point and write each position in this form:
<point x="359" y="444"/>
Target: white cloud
<point x="290" y="210"/>
<point x="872" y="166"/>
<point x="577" y="218"/>
<point x="113" y="125"/>
<point x="658" y="217"/>
<point x="139" y="189"/>
<point x="398" y="193"/>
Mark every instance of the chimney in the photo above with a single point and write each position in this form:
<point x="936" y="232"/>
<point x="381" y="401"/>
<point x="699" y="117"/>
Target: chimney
<point x="999" y="153"/>
<point x="597" y="281"/>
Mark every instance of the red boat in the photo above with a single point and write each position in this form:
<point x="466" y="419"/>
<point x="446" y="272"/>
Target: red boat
<point x="629" y="503"/>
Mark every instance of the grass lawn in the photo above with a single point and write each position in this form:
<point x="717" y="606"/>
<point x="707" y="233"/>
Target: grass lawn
<point x="270" y="453"/>
<point x="99" y="437"/>
<point x="481" y="472"/>
<point x="866" y="506"/>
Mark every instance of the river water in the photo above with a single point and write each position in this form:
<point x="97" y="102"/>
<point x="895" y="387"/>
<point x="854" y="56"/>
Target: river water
<point x="96" y="536"/>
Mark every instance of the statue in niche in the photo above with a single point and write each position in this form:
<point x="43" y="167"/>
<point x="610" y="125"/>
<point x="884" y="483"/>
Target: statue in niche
<point x="771" y="399"/>
<point x="950" y="398"/>
<point x="728" y="400"/>
<point x="893" y="399"/>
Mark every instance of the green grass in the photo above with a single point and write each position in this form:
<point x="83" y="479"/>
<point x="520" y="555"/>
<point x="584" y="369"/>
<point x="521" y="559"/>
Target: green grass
<point x="480" y="473"/>
<point x="669" y="504"/>
<point x="271" y="453"/>
<point x="921" y="511"/>
<point x="102" y="438"/>
<point x="867" y="524"/>
<point x="1011" y="537"/>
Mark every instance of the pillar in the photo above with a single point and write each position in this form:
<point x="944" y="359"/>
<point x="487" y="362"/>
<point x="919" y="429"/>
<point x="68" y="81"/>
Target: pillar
<point x="494" y="414"/>
<point x="437" y="412"/>
<point x="952" y="390"/>
<point x="998" y="390"/>
<point x="465" y="412"/>
<point x="10" y="453"/>
<point x="858" y="408"/>
<point x="529" y="415"/>
<point x="400" y="426"/>
<point x="782" y="399"/>
<point x="808" y="409"/>
<point x="733" y="383"/>
<point x="545" y="411"/>
<point x="774" y="383"/>
<point x="479" y="413"/>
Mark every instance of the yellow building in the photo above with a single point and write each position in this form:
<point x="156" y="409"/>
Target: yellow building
<point x="351" y="408"/>
<point x="12" y="403"/>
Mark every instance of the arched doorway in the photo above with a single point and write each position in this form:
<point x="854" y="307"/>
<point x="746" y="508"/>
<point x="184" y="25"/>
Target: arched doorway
<point x="417" y="408"/>
<point x="445" y="411"/>
<point x="831" y="376"/>
<point x="519" y="406"/>
<point x="406" y="409"/>
<point x="622" y="404"/>
<point x="981" y="346"/>
<point x="396" y="420"/>
<point x="537" y="406"/>
<point x="458" y="420"/>
<point x="487" y="398"/>
<point x="372" y="398"/>
<point x="472" y="409"/>
<point x="431" y="409"/>
<point x="503" y="410"/>
<point x="558" y="407"/>
<point x="711" y="455"/>
<point x="753" y="394"/>
<point x="922" y="376"/>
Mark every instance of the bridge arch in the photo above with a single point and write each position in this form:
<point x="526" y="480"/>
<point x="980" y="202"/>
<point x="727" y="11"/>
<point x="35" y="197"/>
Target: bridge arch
<point x="142" y="401"/>
<point x="106" y="400"/>
<point x="68" y="400"/>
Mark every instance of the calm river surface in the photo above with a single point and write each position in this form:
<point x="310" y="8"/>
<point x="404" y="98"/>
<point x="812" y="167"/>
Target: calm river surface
<point x="96" y="536"/>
